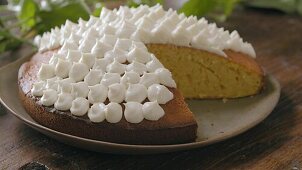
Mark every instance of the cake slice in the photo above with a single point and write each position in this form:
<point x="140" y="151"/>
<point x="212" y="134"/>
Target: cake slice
<point x="121" y="77"/>
<point x="200" y="74"/>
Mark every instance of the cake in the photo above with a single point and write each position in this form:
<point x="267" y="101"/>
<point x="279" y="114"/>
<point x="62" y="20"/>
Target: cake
<point x="123" y="77"/>
<point x="210" y="75"/>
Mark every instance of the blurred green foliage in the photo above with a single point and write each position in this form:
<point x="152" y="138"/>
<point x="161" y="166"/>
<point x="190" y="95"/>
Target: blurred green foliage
<point x="39" y="17"/>
<point x="287" y="6"/>
<point x="36" y="17"/>
<point x="8" y="41"/>
<point x="135" y="3"/>
<point x="221" y="9"/>
<point x="217" y="9"/>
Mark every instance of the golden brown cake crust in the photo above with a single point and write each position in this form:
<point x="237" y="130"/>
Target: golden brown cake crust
<point x="176" y="126"/>
<point x="245" y="61"/>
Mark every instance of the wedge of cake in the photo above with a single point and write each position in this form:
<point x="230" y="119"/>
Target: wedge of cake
<point x="121" y="77"/>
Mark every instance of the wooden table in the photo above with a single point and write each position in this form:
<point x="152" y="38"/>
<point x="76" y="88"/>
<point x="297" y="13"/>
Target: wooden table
<point x="276" y="143"/>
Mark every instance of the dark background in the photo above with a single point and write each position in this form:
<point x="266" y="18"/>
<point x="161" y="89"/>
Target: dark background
<point x="3" y="2"/>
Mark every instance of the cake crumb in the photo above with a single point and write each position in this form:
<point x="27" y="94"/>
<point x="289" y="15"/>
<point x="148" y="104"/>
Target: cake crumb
<point x="224" y="100"/>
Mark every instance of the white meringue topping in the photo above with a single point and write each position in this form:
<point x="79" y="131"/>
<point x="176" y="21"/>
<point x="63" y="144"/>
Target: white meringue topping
<point x="52" y="83"/>
<point x="49" y="97"/>
<point x="123" y="44"/>
<point x="159" y="93"/>
<point x="141" y="35"/>
<point x="130" y="78"/>
<point x="87" y="44"/>
<point x="62" y="68"/>
<point x="116" y="92"/>
<point x="69" y="46"/>
<point x="136" y="67"/>
<point x="78" y="71"/>
<point x="110" y="78"/>
<point x="64" y="86"/>
<point x="153" y="64"/>
<point x="74" y="55"/>
<point x="125" y="30"/>
<point x="88" y="59"/>
<point x="145" y="23"/>
<point x="79" y="106"/>
<point x="114" y="112"/>
<point x="148" y="79"/>
<point x="63" y="102"/>
<point x="93" y="77"/>
<point x="107" y="29"/>
<point x="46" y="71"/>
<point x="139" y="55"/>
<point x="97" y="93"/>
<point x="97" y="112"/>
<point x="37" y="89"/>
<point x="109" y="39"/>
<point x="100" y="48"/>
<point x="180" y="36"/>
<point x="165" y="77"/>
<point x="134" y="112"/>
<point x="152" y="111"/>
<point x="79" y="89"/>
<point x="160" y="34"/>
<point x="55" y="57"/>
<point x="117" y="54"/>
<point x="101" y="64"/>
<point x="136" y="93"/>
<point x="116" y="67"/>
<point x="138" y="44"/>
<point x="74" y="38"/>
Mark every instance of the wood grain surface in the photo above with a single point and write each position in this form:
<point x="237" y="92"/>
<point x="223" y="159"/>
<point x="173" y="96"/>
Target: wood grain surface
<point x="276" y="143"/>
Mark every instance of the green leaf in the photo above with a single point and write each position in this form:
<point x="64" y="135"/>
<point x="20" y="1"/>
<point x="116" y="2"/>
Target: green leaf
<point x="1" y="23"/>
<point x="9" y="45"/>
<point x="58" y="16"/>
<point x="98" y="9"/>
<point x="198" y="7"/>
<point x="7" y="41"/>
<point x="3" y="34"/>
<point x="131" y="3"/>
<point x="27" y="14"/>
<point x="135" y="3"/>
<point x="228" y="6"/>
<point x="223" y="9"/>
<point x="159" y="1"/>
<point x="152" y="2"/>
<point x="217" y="9"/>
<point x="299" y="7"/>
<point x="288" y="6"/>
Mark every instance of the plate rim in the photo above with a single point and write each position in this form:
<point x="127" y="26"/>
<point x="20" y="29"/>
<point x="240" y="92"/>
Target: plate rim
<point x="173" y="147"/>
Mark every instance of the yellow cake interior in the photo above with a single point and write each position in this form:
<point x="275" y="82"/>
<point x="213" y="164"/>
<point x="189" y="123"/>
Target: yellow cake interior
<point x="201" y="74"/>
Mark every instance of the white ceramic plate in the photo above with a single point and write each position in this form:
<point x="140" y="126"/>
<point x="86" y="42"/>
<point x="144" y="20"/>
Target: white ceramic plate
<point x="217" y="120"/>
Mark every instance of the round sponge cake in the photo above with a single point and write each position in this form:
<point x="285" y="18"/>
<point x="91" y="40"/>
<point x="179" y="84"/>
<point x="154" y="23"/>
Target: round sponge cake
<point x="199" y="74"/>
<point x="159" y="48"/>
